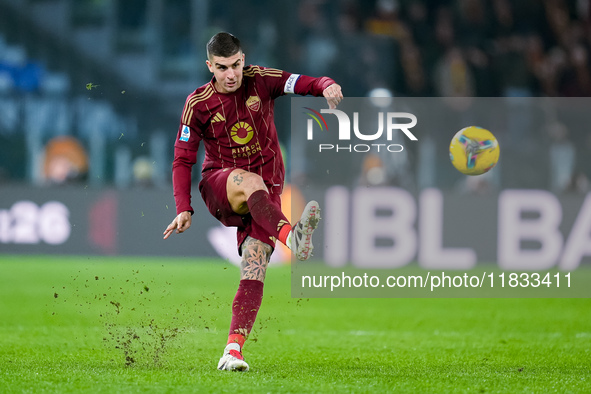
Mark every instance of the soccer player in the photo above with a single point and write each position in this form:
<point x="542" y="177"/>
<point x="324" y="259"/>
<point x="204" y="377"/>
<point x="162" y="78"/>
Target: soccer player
<point x="243" y="171"/>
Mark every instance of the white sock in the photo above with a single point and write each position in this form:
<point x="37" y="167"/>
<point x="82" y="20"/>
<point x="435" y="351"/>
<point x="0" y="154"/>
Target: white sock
<point x="232" y="346"/>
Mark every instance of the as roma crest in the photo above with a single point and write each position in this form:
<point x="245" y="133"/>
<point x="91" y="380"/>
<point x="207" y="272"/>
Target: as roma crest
<point x="254" y="103"/>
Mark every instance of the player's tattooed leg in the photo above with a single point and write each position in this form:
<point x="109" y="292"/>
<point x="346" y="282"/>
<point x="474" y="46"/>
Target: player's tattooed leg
<point x="255" y="259"/>
<point x="238" y="178"/>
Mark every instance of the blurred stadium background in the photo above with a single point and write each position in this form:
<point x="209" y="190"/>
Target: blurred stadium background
<point x="91" y="93"/>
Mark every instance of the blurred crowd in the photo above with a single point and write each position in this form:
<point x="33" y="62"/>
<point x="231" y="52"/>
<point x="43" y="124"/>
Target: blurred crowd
<point x="418" y="48"/>
<point x="448" y="48"/>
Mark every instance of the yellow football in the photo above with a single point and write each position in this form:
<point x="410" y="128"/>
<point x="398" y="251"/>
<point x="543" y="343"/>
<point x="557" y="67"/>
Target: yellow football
<point x="474" y="150"/>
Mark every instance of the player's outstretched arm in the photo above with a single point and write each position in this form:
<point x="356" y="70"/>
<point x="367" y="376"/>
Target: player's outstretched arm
<point x="333" y="94"/>
<point x="181" y="223"/>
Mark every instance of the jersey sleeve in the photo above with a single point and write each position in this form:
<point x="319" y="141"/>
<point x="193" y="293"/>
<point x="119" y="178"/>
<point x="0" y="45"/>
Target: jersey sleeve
<point x="282" y="82"/>
<point x="188" y="137"/>
<point x="305" y="85"/>
<point x="185" y="157"/>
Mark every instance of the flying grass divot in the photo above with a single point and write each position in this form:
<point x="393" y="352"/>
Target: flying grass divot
<point x="127" y="307"/>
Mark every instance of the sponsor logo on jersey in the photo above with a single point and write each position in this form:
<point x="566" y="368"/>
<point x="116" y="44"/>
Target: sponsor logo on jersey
<point x="254" y="103"/>
<point x="218" y="118"/>
<point x="246" y="150"/>
<point x="290" y="83"/>
<point x="185" y="134"/>
<point x="241" y="133"/>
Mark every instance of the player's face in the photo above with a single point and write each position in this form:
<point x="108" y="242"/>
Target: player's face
<point x="227" y="71"/>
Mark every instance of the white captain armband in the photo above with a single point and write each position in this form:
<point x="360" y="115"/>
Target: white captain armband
<point x="290" y="83"/>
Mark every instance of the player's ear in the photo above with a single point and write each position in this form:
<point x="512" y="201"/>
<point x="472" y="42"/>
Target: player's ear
<point x="209" y="65"/>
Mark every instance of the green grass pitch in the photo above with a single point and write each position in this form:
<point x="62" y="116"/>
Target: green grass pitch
<point x="95" y="324"/>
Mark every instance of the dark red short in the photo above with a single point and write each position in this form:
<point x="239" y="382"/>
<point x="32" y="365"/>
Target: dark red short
<point x="214" y="194"/>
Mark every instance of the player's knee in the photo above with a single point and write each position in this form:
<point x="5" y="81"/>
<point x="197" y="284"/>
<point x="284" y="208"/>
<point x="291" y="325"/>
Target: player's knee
<point x="253" y="183"/>
<point x="241" y="184"/>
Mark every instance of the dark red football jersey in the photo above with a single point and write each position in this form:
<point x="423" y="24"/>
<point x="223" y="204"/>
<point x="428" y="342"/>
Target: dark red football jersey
<point x="237" y="129"/>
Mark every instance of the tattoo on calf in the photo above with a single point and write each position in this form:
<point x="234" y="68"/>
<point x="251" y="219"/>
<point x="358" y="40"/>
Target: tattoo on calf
<point x="255" y="258"/>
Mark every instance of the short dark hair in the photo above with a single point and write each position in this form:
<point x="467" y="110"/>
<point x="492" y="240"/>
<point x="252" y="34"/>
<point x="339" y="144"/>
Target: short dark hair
<point x="224" y="45"/>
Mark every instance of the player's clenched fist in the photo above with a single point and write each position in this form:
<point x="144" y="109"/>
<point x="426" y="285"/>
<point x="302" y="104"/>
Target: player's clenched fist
<point x="181" y="223"/>
<point x="333" y="94"/>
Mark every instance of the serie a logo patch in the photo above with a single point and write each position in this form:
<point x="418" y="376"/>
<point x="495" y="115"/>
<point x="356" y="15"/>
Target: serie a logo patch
<point x="185" y="134"/>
